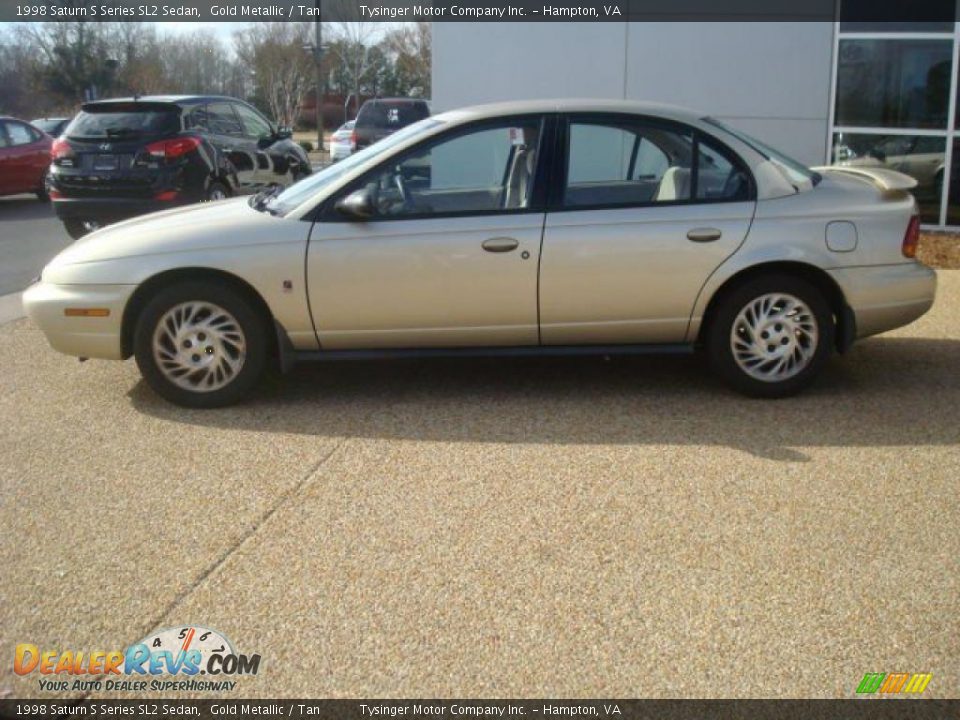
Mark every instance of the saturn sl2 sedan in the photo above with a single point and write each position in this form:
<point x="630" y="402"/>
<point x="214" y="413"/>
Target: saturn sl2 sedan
<point x="528" y="228"/>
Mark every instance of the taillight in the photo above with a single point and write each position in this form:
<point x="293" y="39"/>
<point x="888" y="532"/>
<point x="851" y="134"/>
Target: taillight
<point x="911" y="238"/>
<point x="171" y="149"/>
<point x="60" y="150"/>
<point x="353" y="138"/>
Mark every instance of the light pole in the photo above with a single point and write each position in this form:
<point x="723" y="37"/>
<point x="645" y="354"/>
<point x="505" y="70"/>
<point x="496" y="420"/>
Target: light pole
<point x="318" y="60"/>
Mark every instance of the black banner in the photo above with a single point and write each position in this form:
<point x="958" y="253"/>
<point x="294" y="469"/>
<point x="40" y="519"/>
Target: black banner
<point x="928" y="14"/>
<point x="435" y="10"/>
<point x="879" y="709"/>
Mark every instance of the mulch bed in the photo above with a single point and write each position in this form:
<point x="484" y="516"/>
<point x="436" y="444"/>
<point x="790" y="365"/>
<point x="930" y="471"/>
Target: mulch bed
<point x="939" y="250"/>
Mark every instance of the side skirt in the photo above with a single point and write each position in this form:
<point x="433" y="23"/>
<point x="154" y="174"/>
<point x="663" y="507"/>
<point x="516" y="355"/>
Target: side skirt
<point x="489" y="352"/>
<point x="288" y="356"/>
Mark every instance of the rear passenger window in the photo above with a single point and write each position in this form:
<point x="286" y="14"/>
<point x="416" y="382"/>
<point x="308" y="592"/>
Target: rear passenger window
<point x="221" y="120"/>
<point x="627" y="164"/>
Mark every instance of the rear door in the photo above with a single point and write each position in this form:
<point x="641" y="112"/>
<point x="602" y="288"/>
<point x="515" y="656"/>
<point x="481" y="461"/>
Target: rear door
<point x="227" y="135"/>
<point x="259" y="136"/>
<point x="26" y="156"/>
<point x="6" y="161"/>
<point x="644" y="212"/>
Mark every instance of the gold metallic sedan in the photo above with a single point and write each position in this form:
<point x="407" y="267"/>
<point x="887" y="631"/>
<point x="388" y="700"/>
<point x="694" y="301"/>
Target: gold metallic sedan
<point x="534" y="228"/>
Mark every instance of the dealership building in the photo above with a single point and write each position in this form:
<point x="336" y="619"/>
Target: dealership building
<point x="868" y="93"/>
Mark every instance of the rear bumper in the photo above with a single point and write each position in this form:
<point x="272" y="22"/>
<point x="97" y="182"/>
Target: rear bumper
<point x="111" y="208"/>
<point x="884" y="297"/>
<point x="93" y="337"/>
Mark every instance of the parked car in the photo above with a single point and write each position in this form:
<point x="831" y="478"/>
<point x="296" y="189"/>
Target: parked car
<point x="526" y="228"/>
<point x="127" y="157"/>
<point x="52" y="126"/>
<point x="342" y="142"/>
<point x="24" y="158"/>
<point x="381" y="117"/>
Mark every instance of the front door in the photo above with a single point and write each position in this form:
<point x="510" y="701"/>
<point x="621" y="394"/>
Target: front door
<point x="648" y="210"/>
<point x="449" y="257"/>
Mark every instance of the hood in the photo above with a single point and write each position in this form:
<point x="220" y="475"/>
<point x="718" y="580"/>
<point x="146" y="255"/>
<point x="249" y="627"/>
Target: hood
<point x="196" y="227"/>
<point x="882" y="178"/>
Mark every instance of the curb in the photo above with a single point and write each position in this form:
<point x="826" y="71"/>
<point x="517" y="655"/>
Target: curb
<point x="11" y="308"/>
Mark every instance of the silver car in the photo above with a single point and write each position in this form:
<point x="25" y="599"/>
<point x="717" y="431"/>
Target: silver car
<point x="530" y="228"/>
<point x="342" y="142"/>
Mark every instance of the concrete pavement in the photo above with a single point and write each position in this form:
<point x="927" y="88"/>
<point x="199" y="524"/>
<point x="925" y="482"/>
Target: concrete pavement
<point x="498" y="528"/>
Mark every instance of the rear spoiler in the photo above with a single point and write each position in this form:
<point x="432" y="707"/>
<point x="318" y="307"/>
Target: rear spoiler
<point x="883" y="178"/>
<point x="103" y="106"/>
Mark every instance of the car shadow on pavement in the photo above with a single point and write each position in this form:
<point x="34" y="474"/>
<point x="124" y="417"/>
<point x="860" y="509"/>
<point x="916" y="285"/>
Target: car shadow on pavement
<point x="24" y="207"/>
<point x="885" y="392"/>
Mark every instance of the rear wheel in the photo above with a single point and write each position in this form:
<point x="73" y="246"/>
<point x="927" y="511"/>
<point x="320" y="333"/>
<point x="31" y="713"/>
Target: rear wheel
<point x="78" y="227"/>
<point x="217" y="191"/>
<point x="201" y="344"/>
<point x="771" y="336"/>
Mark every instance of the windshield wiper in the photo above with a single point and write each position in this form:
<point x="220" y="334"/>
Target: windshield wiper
<point x="120" y="132"/>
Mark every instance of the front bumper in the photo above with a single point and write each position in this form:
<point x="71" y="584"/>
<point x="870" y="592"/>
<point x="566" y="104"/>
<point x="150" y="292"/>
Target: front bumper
<point x="884" y="297"/>
<point x="89" y="337"/>
<point x="111" y="209"/>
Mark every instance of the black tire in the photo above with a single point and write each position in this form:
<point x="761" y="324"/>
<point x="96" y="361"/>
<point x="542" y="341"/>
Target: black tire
<point x="217" y="191"/>
<point x="718" y="343"/>
<point x="252" y="324"/>
<point x="76" y="227"/>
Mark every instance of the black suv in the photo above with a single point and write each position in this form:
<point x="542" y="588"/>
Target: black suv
<point x="383" y="116"/>
<point x="121" y="158"/>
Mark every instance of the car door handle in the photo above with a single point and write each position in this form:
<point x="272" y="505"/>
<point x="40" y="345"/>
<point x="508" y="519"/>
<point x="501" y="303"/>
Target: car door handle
<point x="500" y="244"/>
<point x="704" y="234"/>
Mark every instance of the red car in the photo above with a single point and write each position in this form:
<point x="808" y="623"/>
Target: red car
<point x="24" y="158"/>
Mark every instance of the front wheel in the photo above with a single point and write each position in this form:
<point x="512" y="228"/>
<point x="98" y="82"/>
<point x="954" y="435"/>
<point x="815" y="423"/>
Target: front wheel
<point x="77" y="227"/>
<point x="771" y="336"/>
<point x="201" y="344"/>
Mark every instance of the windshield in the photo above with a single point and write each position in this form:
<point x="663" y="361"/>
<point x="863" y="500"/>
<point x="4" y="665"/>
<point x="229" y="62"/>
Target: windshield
<point x="124" y="121"/>
<point x="796" y="172"/>
<point x="300" y="192"/>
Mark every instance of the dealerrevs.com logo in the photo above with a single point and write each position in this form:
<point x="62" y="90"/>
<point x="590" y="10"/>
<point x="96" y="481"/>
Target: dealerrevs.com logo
<point x="190" y="658"/>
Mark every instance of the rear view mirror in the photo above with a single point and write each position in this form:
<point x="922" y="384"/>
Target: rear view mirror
<point x="358" y="205"/>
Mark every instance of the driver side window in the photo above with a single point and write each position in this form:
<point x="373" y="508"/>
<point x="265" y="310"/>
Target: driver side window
<point x="481" y="171"/>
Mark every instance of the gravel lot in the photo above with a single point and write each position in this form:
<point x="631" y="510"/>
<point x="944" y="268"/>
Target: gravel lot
<point x="498" y="528"/>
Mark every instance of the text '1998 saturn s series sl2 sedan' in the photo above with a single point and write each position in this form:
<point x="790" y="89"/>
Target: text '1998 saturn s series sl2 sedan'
<point x="517" y="229"/>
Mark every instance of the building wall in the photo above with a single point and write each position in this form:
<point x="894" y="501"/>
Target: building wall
<point x="771" y="80"/>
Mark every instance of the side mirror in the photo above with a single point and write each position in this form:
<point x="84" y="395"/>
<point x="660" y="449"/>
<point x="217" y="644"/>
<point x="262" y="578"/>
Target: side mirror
<point x="358" y="205"/>
<point x="284" y="133"/>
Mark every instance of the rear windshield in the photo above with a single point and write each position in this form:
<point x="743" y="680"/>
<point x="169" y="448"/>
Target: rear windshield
<point x="385" y="114"/>
<point x="124" y="121"/>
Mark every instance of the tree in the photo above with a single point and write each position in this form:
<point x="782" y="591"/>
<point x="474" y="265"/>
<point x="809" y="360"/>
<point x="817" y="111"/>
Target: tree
<point x="76" y="63"/>
<point x="283" y="69"/>
<point x="350" y="50"/>
<point x="412" y="50"/>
